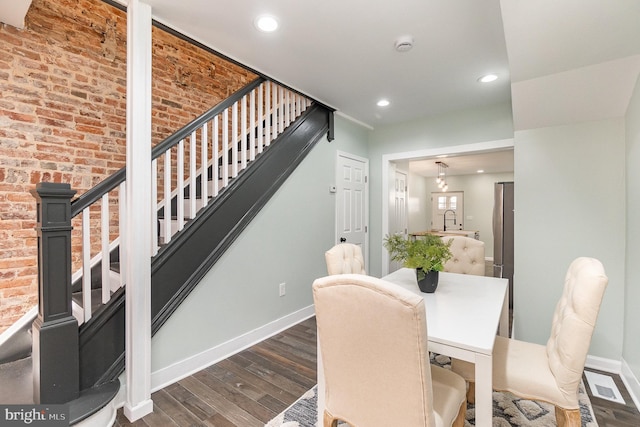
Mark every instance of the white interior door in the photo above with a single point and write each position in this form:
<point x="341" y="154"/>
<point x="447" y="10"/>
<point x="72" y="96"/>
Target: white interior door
<point x="352" y="200"/>
<point x="451" y="203"/>
<point x="399" y="222"/>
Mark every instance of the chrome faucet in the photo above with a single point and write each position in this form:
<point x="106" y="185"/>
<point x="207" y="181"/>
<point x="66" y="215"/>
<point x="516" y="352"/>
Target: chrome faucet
<point x="444" y="219"/>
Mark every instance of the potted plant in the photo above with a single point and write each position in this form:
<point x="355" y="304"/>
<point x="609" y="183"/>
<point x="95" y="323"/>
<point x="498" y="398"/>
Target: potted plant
<point x="426" y="254"/>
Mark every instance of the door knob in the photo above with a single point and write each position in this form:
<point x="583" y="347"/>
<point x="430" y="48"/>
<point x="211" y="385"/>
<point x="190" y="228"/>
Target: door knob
<point x="342" y="240"/>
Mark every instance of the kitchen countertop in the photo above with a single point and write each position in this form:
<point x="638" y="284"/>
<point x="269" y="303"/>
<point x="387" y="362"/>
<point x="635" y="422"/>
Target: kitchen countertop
<point x="444" y="233"/>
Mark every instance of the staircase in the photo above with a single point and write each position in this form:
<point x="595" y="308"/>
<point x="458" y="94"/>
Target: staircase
<point x="212" y="177"/>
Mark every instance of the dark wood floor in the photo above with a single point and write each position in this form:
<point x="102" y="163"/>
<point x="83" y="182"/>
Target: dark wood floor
<point x="612" y="414"/>
<point x="253" y="386"/>
<point x="245" y="390"/>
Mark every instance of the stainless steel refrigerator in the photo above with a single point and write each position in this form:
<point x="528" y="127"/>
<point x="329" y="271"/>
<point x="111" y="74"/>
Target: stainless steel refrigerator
<point x="503" y="234"/>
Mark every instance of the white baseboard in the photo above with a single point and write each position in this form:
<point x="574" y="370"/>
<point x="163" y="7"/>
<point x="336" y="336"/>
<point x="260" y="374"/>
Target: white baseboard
<point x="631" y="383"/>
<point x="191" y="365"/>
<point x="134" y="413"/>
<point x="602" y="364"/>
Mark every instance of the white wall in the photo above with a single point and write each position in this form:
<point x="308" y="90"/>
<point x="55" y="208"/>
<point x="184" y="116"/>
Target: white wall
<point x="569" y="202"/>
<point x="284" y="243"/>
<point x="631" y="347"/>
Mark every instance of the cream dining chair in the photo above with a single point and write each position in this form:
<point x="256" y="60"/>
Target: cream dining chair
<point x="345" y="258"/>
<point x="552" y="373"/>
<point x="373" y="342"/>
<point x="467" y="256"/>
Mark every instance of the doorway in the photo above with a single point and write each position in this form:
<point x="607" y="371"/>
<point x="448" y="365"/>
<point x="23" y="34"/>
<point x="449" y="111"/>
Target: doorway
<point x="389" y="162"/>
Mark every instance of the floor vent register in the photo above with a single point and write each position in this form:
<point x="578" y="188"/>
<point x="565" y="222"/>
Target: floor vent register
<point x="604" y="387"/>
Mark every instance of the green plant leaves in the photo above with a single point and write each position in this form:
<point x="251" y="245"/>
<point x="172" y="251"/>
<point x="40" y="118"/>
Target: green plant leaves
<point x="427" y="252"/>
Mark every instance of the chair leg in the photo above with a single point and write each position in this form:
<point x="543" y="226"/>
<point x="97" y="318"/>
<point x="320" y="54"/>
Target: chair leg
<point x="471" y="392"/>
<point x="568" y="417"/>
<point x="462" y="415"/>
<point x="329" y="420"/>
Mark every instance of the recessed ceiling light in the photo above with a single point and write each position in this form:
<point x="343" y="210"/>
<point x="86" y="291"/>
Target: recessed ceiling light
<point x="266" y="23"/>
<point x="480" y="171"/>
<point x="488" y="78"/>
<point x="383" y="103"/>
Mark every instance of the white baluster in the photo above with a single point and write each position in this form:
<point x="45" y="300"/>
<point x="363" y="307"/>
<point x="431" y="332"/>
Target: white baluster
<point x="166" y="225"/>
<point x="204" y="168"/>
<point x="274" y="112"/>
<point x="180" y="186"/>
<point x="234" y="140"/>
<point x="298" y="110"/>
<point x="225" y="148"/>
<point x="287" y="109"/>
<point x="252" y="125"/>
<point x="106" y="259"/>
<point x="261" y="123"/>
<point x="86" y="264"/>
<point x="193" y="145"/>
<point x="215" y="176"/>
<point x="267" y="114"/>
<point x="243" y="130"/>
<point x="280" y="110"/>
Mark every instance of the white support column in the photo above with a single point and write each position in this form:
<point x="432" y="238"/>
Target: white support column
<point x="138" y="401"/>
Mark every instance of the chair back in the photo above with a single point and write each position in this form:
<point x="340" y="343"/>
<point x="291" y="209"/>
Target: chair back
<point x="573" y="322"/>
<point x="468" y="256"/>
<point x="345" y="258"/>
<point x="373" y="343"/>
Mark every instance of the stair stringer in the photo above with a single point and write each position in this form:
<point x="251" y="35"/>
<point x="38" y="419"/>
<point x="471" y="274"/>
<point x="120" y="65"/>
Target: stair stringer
<point x="178" y="267"/>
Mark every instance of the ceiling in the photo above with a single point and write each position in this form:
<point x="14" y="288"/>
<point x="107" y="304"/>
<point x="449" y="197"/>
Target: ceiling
<point x="469" y="164"/>
<point x="558" y="61"/>
<point x="342" y="52"/>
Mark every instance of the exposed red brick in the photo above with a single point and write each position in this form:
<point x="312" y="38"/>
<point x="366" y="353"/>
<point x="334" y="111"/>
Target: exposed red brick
<point x="63" y="115"/>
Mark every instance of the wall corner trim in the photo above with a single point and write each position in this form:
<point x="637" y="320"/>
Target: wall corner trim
<point x="631" y="382"/>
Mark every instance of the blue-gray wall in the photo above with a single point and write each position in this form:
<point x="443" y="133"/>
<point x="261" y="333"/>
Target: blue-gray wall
<point x="631" y="347"/>
<point x="284" y="243"/>
<point x="569" y="202"/>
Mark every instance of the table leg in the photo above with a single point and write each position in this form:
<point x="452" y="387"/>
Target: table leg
<point x="503" y="328"/>
<point x="484" y="400"/>
<point x="320" y="389"/>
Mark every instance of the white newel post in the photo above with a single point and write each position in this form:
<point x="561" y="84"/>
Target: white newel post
<point x="139" y="227"/>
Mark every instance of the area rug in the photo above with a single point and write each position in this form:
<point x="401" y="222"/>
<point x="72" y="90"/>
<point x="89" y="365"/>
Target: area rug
<point x="508" y="410"/>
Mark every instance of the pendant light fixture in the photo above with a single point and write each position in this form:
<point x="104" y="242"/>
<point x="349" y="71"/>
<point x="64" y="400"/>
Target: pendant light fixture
<point x="441" y="179"/>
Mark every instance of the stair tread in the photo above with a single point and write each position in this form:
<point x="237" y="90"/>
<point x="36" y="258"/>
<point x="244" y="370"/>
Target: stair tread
<point x="96" y="299"/>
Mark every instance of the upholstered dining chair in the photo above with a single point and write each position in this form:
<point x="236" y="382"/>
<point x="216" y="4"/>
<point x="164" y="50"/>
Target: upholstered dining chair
<point x="467" y="256"/>
<point x="552" y="373"/>
<point x="373" y="343"/>
<point x="345" y="258"/>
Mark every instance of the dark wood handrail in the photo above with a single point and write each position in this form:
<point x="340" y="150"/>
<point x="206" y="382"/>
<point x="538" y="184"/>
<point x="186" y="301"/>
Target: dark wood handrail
<point x="111" y="182"/>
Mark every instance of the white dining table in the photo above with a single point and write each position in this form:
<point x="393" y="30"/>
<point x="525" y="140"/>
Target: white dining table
<point x="463" y="316"/>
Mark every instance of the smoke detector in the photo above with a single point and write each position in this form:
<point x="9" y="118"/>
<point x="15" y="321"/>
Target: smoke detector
<point x="404" y="43"/>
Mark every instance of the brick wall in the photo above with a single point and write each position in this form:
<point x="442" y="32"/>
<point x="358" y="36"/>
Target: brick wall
<point x="62" y="115"/>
